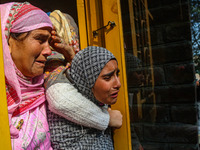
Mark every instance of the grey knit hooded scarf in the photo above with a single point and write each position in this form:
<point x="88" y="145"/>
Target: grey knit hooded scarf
<point x="86" y="67"/>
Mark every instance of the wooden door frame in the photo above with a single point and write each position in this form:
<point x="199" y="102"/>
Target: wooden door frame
<point x="5" y="142"/>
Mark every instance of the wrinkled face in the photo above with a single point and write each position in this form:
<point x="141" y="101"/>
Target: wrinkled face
<point x="30" y="54"/>
<point x="107" y="85"/>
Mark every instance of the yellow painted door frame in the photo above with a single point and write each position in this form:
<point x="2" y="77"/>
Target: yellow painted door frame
<point x="5" y="142"/>
<point x="97" y="14"/>
<point x="82" y="23"/>
<point x="114" y="42"/>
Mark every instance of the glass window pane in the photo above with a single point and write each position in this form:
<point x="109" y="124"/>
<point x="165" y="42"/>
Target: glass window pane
<point x="160" y="39"/>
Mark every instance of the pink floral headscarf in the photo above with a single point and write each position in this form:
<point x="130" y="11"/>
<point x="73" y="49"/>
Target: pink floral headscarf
<point x="23" y="93"/>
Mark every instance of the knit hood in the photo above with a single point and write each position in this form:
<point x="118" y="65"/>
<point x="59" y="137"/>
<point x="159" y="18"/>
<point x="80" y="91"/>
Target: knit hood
<point x="86" y="67"/>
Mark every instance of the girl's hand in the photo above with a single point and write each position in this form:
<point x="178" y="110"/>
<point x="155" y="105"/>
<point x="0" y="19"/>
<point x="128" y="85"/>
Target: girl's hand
<point x="58" y="44"/>
<point x="115" y="118"/>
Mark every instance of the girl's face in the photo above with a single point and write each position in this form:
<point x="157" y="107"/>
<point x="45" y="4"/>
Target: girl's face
<point x="107" y="85"/>
<point x="30" y="54"/>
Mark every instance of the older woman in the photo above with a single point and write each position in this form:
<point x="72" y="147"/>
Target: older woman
<point x="26" y="33"/>
<point x="94" y="73"/>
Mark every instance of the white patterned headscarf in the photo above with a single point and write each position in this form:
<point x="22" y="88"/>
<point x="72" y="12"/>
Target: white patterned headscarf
<point x="86" y="66"/>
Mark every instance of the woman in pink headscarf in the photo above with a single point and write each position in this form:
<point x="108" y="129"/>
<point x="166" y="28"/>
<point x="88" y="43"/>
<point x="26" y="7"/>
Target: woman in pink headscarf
<point x="26" y="34"/>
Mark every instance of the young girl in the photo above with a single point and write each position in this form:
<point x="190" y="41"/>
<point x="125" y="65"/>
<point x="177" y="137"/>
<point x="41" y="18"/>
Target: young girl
<point x="65" y="38"/>
<point x="94" y="73"/>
